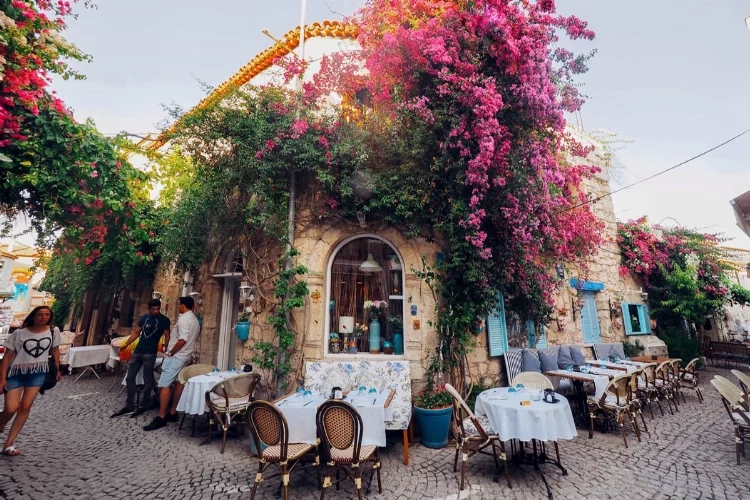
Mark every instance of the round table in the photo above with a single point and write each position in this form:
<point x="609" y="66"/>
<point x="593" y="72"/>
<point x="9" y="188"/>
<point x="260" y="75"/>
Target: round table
<point x="510" y="420"/>
<point x="193" y="399"/>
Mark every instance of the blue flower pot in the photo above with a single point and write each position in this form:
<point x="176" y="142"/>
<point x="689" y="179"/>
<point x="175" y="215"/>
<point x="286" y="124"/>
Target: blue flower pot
<point x="374" y="337"/>
<point x="434" y="425"/>
<point x="398" y="343"/>
<point x="242" y="329"/>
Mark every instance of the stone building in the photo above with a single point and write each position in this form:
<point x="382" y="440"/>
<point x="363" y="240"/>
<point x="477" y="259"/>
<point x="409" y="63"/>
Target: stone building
<point x="350" y="262"/>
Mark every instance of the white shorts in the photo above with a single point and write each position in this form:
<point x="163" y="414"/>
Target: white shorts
<point x="170" y="369"/>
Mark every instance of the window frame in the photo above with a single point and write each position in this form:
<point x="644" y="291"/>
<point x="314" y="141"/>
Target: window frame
<point x="327" y="317"/>
<point x="643" y="317"/>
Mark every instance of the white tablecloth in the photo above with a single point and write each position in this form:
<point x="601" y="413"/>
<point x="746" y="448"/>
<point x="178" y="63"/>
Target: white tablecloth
<point x="611" y="373"/>
<point x="139" y="376"/>
<point x="626" y="366"/>
<point x="193" y="399"/>
<point x="600" y="381"/>
<point x="300" y="416"/>
<point x="79" y="357"/>
<point x="542" y="421"/>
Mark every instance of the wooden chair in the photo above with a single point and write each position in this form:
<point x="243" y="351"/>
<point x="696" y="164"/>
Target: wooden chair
<point x="473" y="435"/>
<point x="186" y="374"/>
<point x="635" y="401"/>
<point x="647" y="392"/>
<point x="614" y="405"/>
<point x="731" y="397"/>
<point x="230" y="399"/>
<point x="340" y="431"/>
<point x="532" y="380"/>
<point x="270" y="433"/>
<point x="673" y="373"/>
<point x="742" y="401"/>
<point x="663" y="385"/>
<point x="744" y="381"/>
<point x="689" y="379"/>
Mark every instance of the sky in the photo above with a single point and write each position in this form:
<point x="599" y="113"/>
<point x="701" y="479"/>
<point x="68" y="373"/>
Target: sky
<point x="670" y="78"/>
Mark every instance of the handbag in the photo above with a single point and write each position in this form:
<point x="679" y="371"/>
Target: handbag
<point x="50" y="379"/>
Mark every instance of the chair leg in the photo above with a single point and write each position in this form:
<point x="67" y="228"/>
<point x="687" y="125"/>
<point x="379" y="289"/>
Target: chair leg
<point x="737" y="444"/>
<point x="224" y="438"/>
<point x="591" y="424"/>
<point x="380" y="485"/>
<point x="621" y="421"/>
<point x="699" y="393"/>
<point x="463" y="467"/>
<point x="358" y="482"/>
<point x="683" y="396"/>
<point x="505" y="464"/>
<point x="658" y="403"/>
<point x="285" y="480"/>
<point x="455" y="460"/>
<point x="406" y="446"/>
<point x="645" y="427"/>
<point x="634" y="423"/>
<point x="182" y="420"/>
<point x="258" y="479"/>
<point x="326" y="482"/>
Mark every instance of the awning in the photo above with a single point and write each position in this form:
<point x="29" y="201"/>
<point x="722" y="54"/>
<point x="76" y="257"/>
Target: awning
<point x="741" y="206"/>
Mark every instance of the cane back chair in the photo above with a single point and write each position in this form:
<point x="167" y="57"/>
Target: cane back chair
<point x="614" y="405"/>
<point x="186" y="374"/>
<point x="736" y="407"/>
<point x="228" y="401"/>
<point x="689" y="378"/>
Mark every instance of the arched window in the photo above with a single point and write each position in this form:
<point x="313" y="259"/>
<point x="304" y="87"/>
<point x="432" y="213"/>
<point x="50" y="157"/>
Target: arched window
<point x="363" y="270"/>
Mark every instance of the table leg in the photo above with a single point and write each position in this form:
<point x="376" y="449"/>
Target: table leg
<point x="87" y="369"/>
<point x="117" y="376"/>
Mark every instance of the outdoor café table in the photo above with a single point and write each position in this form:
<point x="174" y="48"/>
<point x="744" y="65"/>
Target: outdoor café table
<point x="579" y="379"/>
<point x="300" y="412"/>
<point x="87" y="357"/>
<point x="539" y="421"/>
<point x="611" y="373"/>
<point x="649" y="359"/>
<point x="626" y="366"/>
<point x="139" y="376"/>
<point x="193" y="399"/>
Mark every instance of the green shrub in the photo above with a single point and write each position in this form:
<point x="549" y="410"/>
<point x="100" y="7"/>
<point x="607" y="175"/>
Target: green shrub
<point x="681" y="345"/>
<point x="634" y="349"/>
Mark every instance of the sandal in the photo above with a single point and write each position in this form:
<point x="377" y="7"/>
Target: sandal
<point x="11" y="451"/>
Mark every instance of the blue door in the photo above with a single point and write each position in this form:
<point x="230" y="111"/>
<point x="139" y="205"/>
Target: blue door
<point x="590" y="319"/>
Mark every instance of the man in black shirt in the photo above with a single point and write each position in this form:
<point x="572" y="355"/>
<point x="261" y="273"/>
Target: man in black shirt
<point x="149" y="331"/>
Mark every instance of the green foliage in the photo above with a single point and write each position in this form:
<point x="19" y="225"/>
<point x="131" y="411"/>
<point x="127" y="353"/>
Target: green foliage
<point x="681" y="344"/>
<point x="479" y="387"/>
<point x="634" y="349"/>
<point x="739" y="294"/>
<point x="433" y="399"/>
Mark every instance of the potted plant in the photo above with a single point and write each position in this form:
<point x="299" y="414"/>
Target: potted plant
<point x="242" y="328"/>
<point x="356" y="337"/>
<point x="432" y="409"/>
<point x="396" y="331"/>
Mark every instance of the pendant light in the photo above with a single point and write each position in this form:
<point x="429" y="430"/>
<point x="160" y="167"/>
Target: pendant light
<point x="370" y="265"/>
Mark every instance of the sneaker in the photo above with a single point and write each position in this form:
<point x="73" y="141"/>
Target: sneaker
<point x="172" y="417"/>
<point x="122" y="412"/>
<point x="138" y="411"/>
<point x="156" y="423"/>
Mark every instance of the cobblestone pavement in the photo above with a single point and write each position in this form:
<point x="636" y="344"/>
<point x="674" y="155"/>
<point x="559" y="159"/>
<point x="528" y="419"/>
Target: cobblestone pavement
<point x="72" y="449"/>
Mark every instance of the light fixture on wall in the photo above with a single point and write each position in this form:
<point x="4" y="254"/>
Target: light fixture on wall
<point x="644" y="295"/>
<point x="197" y="297"/>
<point x="370" y="265"/>
<point x="560" y="271"/>
<point x="156" y="295"/>
<point x="394" y="263"/>
<point x="246" y="292"/>
<point x="361" y="219"/>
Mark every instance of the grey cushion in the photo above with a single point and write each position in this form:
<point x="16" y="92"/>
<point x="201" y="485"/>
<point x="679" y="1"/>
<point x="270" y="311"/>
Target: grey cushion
<point x="548" y="361"/>
<point x="617" y="350"/>
<point x="577" y="355"/>
<point x="530" y="362"/>
<point x="563" y="357"/>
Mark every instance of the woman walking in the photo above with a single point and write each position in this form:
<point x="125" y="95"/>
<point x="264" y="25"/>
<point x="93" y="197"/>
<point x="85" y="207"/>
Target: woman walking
<point x="24" y="369"/>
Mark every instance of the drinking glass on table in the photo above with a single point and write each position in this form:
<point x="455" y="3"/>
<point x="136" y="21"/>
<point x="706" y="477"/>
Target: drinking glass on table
<point x="215" y="370"/>
<point x="362" y="390"/>
<point x="300" y="391"/>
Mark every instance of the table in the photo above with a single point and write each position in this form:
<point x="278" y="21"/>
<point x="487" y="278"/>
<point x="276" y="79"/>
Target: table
<point x="88" y="357"/>
<point x="579" y="379"/>
<point x="193" y="399"/>
<point x="139" y="376"/>
<point x="609" y="372"/>
<point x="622" y="366"/>
<point x="300" y="413"/>
<point x="539" y="421"/>
<point x="648" y="359"/>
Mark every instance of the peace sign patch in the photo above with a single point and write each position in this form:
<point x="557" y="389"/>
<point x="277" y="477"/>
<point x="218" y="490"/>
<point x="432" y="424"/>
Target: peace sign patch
<point x="37" y="347"/>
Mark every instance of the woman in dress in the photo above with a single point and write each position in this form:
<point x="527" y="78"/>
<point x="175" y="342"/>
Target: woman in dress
<point x="24" y="369"/>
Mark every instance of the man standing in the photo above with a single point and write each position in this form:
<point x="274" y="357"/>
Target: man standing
<point x="149" y="331"/>
<point x="179" y="354"/>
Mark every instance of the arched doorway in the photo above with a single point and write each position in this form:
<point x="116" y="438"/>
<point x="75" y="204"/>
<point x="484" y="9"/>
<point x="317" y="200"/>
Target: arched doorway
<point x="230" y="277"/>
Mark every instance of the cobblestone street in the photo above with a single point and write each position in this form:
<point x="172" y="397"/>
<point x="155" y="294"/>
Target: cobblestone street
<point x="72" y="449"/>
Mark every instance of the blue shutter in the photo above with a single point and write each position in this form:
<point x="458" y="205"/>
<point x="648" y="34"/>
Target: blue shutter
<point x="541" y="342"/>
<point x="590" y="320"/>
<point x="531" y="332"/>
<point x="497" y="333"/>
<point x="645" y="319"/>
<point x="626" y="318"/>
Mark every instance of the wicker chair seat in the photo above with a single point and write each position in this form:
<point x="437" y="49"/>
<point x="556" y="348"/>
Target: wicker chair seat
<point x="471" y="429"/>
<point x="688" y="376"/>
<point x="345" y="456"/>
<point x="293" y="452"/>
<point x="235" y="404"/>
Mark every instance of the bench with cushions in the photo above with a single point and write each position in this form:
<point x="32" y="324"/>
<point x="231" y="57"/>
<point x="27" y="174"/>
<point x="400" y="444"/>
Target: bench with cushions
<point x="323" y="376"/>
<point x="543" y="360"/>
<point x="604" y="350"/>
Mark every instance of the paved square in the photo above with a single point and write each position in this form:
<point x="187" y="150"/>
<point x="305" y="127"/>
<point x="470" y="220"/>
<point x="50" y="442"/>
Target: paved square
<point x="72" y="449"/>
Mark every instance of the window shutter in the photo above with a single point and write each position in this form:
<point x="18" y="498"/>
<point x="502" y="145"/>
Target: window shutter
<point x="497" y="332"/>
<point x="626" y="319"/>
<point x="645" y="319"/>
<point x="531" y="332"/>
<point x="541" y="343"/>
<point x="590" y="320"/>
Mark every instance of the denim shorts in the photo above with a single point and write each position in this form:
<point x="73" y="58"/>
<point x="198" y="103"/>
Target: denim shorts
<point x="26" y="380"/>
<point x="170" y="369"/>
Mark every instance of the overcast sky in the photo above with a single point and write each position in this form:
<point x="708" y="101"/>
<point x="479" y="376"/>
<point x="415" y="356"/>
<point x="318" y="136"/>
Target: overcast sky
<point x="671" y="77"/>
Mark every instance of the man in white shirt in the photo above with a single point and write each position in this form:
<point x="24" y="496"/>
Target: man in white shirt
<point x="178" y="355"/>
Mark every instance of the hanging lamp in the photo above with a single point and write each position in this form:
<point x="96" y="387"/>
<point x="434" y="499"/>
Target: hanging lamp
<point x="370" y="265"/>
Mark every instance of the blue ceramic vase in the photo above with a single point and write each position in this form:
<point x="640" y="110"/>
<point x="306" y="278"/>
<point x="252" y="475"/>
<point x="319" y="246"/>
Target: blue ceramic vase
<point x="374" y="337"/>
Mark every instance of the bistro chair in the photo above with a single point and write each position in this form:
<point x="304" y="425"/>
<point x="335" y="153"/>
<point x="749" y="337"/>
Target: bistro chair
<point x="647" y="391"/>
<point x="614" y="405"/>
<point x="734" y="389"/>
<point x="663" y="384"/>
<point x="270" y="433"/>
<point x="673" y="372"/>
<point x="635" y="402"/>
<point x="340" y="432"/>
<point x="473" y="435"/>
<point x="186" y="374"/>
<point x="532" y="380"/>
<point x="229" y="399"/>
<point x="731" y="397"/>
<point x="744" y="381"/>
<point x="689" y="379"/>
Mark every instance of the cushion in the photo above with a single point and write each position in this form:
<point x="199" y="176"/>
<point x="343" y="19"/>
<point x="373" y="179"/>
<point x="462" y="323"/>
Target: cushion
<point x="563" y="357"/>
<point x="617" y="350"/>
<point x="548" y="361"/>
<point x="577" y="355"/>
<point x="530" y="363"/>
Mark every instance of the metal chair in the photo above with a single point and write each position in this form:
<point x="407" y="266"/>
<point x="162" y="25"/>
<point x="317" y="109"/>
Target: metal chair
<point x="186" y="374"/>
<point x="473" y="435"/>
<point x="635" y="402"/>
<point x="663" y="385"/>
<point x="689" y="379"/>
<point x="647" y="392"/>
<point x="744" y="381"/>
<point x="340" y="431"/>
<point x="229" y="399"/>
<point x="615" y="404"/>
<point x="270" y="433"/>
<point x="532" y="380"/>
<point x="731" y="397"/>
